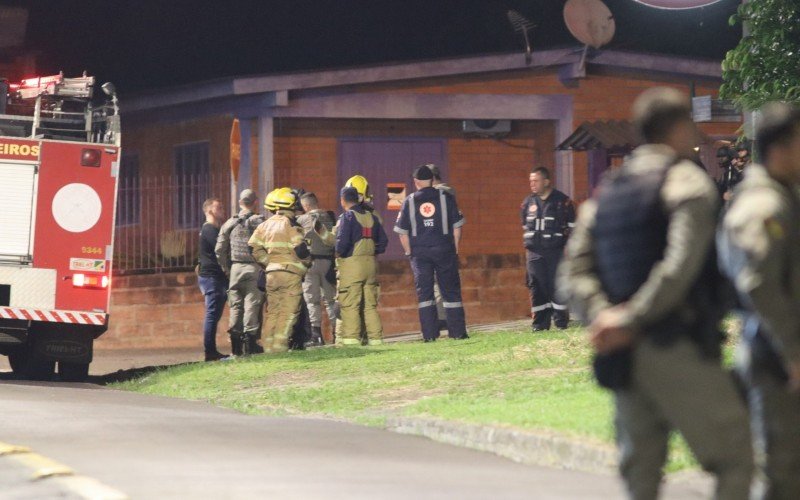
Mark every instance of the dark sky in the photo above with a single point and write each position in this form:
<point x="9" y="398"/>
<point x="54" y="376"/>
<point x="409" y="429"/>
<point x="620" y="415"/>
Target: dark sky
<point x="141" y="44"/>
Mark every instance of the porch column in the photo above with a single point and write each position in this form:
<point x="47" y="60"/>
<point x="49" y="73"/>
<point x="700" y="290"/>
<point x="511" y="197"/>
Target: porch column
<point x="266" y="170"/>
<point x="245" y="177"/>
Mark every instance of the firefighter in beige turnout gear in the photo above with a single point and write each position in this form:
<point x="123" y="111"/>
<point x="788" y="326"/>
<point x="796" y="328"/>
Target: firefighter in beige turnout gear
<point x="359" y="238"/>
<point x="278" y="245"/>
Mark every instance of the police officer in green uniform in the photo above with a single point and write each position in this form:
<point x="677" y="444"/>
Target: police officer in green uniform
<point x="636" y="270"/>
<point x="236" y="259"/>
<point x="759" y="246"/>
<point x="319" y="283"/>
<point x="359" y="238"/>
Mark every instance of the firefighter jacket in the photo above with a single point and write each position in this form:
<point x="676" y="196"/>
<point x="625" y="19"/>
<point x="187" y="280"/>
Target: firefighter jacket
<point x="547" y="222"/>
<point x="315" y="222"/>
<point x="232" y="242"/>
<point x="278" y="244"/>
<point x="360" y="233"/>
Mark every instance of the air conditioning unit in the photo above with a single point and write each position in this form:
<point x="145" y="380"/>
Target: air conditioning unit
<point x="486" y="127"/>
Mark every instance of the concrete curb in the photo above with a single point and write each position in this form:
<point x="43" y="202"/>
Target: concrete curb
<point x="541" y="449"/>
<point x="30" y="475"/>
<point x="549" y="450"/>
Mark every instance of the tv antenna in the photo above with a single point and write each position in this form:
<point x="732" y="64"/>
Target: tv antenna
<point x="522" y="25"/>
<point x="590" y="22"/>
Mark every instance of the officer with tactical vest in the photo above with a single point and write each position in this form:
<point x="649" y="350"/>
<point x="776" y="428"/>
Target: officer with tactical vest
<point x="640" y="270"/>
<point x="548" y="216"/>
<point x="320" y="281"/>
<point x="359" y="238"/>
<point x="429" y="225"/>
<point x="236" y="259"/>
<point x="760" y="252"/>
<point x="279" y="245"/>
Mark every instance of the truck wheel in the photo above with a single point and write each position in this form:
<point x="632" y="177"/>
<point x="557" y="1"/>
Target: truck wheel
<point x="39" y="368"/>
<point x="18" y="361"/>
<point x="73" y="372"/>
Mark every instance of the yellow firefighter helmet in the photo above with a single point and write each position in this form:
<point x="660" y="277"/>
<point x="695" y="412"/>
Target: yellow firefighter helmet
<point x="269" y="201"/>
<point x="362" y="186"/>
<point x="284" y="198"/>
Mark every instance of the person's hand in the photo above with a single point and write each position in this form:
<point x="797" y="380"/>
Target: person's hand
<point x="609" y="331"/>
<point x="793" y="368"/>
<point x="726" y="195"/>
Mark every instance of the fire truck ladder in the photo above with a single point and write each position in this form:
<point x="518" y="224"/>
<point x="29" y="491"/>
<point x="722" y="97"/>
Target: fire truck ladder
<point x="63" y="110"/>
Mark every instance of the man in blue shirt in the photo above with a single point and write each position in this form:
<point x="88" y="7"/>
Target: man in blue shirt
<point x="429" y="225"/>
<point x="359" y="239"/>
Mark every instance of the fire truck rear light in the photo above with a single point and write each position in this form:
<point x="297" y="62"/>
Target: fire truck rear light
<point x="89" y="281"/>
<point x="90" y="157"/>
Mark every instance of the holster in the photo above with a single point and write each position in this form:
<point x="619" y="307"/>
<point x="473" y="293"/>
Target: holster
<point x="615" y="369"/>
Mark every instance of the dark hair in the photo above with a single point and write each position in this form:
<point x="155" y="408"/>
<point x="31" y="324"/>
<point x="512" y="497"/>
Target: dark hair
<point x="349" y="194"/>
<point x="543" y="171"/>
<point x="658" y="110"/>
<point x="778" y="124"/>
<point x="310" y="199"/>
<point x="210" y="201"/>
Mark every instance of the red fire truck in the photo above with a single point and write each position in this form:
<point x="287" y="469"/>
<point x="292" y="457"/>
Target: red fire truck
<point x="59" y="158"/>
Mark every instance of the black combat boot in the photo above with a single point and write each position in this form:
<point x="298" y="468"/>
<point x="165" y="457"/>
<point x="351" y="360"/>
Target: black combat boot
<point x="253" y="346"/>
<point x="236" y="343"/>
<point x="316" y="337"/>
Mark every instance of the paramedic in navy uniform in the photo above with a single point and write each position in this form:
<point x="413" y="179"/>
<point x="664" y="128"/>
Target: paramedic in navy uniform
<point x="429" y="225"/>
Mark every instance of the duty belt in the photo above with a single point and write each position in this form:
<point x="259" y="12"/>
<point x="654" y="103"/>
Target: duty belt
<point x="321" y="256"/>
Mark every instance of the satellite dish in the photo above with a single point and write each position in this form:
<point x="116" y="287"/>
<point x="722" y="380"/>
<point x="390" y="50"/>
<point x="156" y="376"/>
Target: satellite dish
<point x="677" y="4"/>
<point x="589" y="21"/>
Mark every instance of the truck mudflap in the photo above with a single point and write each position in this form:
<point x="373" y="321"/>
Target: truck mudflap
<point x="64" y="342"/>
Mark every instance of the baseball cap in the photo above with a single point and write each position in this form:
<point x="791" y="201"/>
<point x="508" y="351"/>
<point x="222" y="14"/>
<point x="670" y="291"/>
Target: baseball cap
<point x="423" y="173"/>
<point x="248" y="196"/>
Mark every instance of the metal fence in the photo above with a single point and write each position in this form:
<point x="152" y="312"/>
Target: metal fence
<point x="159" y="220"/>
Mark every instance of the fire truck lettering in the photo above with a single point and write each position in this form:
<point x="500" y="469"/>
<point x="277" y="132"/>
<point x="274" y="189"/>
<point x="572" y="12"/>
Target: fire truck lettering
<point x="18" y="149"/>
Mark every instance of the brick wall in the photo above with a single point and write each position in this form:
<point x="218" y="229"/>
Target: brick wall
<point x="155" y="311"/>
<point x="490" y="177"/>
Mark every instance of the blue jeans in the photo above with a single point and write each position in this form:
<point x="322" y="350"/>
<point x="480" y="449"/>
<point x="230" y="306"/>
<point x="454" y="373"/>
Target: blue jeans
<point x="214" y="291"/>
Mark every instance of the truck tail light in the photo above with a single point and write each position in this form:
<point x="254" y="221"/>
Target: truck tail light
<point x="89" y="281"/>
<point x="90" y="157"/>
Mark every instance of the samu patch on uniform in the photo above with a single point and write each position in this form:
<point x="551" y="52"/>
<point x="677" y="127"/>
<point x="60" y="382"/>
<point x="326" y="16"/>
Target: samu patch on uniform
<point x="427" y="209"/>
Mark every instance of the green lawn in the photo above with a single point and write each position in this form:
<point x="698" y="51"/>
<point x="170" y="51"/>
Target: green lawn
<point x="504" y="378"/>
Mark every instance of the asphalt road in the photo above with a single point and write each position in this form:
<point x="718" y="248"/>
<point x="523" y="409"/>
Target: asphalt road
<point x="153" y="447"/>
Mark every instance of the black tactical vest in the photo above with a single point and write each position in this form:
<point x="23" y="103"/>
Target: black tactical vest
<point x="630" y="232"/>
<point x="240" y="235"/>
<point x="630" y="236"/>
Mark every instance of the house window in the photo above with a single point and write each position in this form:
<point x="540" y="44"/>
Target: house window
<point x="129" y="197"/>
<point x="192" y="179"/>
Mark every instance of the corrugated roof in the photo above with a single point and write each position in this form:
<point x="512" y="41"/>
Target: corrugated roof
<point x="611" y="134"/>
